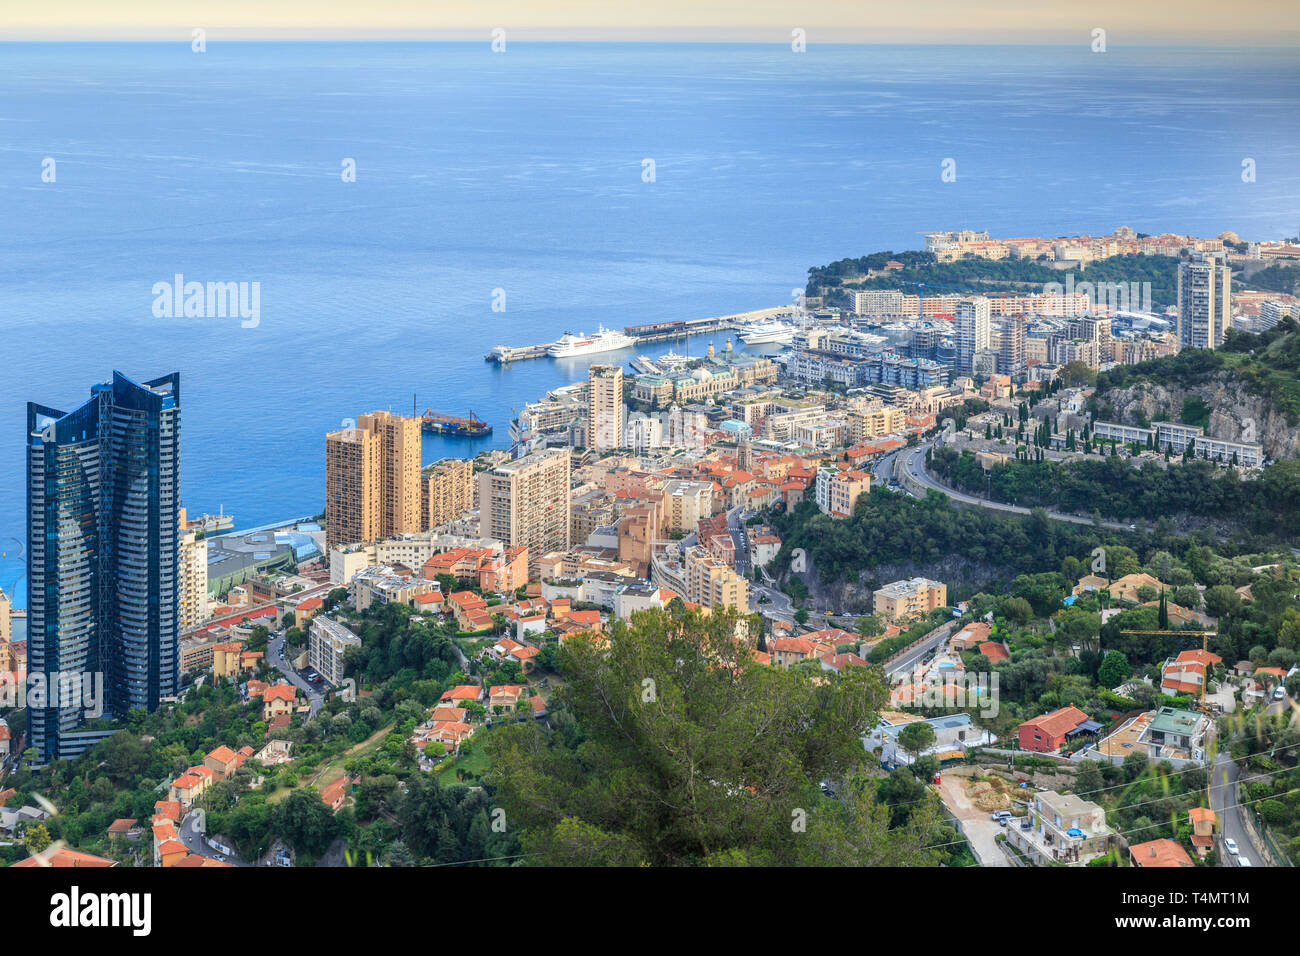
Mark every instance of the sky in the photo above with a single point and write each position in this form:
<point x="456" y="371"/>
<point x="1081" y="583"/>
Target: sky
<point x="1132" y="22"/>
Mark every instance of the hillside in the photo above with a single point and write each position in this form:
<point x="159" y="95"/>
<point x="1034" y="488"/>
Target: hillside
<point x="1249" y="390"/>
<point x="983" y="276"/>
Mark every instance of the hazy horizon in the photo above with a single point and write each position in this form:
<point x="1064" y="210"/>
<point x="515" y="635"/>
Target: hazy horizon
<point x="1271" y="23"/>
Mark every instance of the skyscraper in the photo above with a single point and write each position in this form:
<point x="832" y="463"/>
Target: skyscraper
<point x="1011" y="346"/>
<point x="103" y="499"/>
<point x="351" y="487"/>
<point x="606" y="413"/>
<point x="401" y="499"/>
<point x="972" y="331"/>
<point x="1204" y="302"/>
<point x="372" y="479"/>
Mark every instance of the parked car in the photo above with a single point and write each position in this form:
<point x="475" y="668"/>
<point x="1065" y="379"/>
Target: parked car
<point x="1279" y="694"/>
<point x="1230" y="845"/>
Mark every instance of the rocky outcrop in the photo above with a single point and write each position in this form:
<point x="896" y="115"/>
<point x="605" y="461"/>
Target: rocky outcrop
<point x="1236" y="414"/>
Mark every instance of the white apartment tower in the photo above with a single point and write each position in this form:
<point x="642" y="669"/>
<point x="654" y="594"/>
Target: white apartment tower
<point x="972" y="331"/>
<point x="1204" y="302"/>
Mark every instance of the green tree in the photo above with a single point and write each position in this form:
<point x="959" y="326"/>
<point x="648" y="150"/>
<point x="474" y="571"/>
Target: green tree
<point x="37" y="838"/>
<point x="671" y="770"/>
<point x="916" y="737"/>
<point x="1114" y="669"/>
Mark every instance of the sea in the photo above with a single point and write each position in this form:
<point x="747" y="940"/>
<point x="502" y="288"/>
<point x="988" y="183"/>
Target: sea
<point x="400" y="208"/>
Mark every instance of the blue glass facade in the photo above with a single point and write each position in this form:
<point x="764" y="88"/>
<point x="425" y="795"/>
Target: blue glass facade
<point x="103" y="487"/>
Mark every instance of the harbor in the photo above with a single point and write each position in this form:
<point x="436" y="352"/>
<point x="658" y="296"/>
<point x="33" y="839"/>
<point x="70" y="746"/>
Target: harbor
<point x="637" y="334"/>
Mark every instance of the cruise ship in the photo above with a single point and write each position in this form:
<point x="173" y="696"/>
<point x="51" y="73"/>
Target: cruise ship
<point x="769" y="333"/>
<point x="605" y="340"/>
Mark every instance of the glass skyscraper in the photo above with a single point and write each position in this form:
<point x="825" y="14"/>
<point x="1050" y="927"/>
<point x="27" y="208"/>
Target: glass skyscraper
<point x="103" y="495"/>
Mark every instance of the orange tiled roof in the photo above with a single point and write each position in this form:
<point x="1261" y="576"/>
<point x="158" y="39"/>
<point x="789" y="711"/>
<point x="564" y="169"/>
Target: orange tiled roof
<point x="1059" y="721"/>
<point x="1163" y="852"/>
<point x="63" y="857"/>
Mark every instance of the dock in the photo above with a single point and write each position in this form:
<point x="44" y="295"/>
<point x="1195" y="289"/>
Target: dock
<point x="651" y="332"/>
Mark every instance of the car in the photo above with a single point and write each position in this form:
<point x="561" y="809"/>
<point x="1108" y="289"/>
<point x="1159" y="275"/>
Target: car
<point x="220" y="858"/>
<point x="1230" y="845"/>
<point x="1279" y="694"/>
<point x="1244" y="861"/>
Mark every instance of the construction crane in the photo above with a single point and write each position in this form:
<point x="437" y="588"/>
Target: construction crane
<point x="1205" y="641"/>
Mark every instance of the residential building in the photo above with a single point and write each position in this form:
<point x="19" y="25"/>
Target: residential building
<point x="448" y="491"/>
<point x="1204" y="301"/>
<point x="1163" y="852"/>
<point x="837" y="492"/>
<point x="971" y="325"/>
<point x="103" y="529"/>
<point x="525" y="502"/>
<point x="686" y="503"/>
<point x="372" y="479"/>
<point x="914" y="597"/>
<point x="606" y="413"/>
<point x="711" y="583"/>
<point x="327" y="643"/>
<point x="351" y="487"/>
<point x="1065" y="829"/>
<point x="192" y="577"/>
<point x="1047" y="733"/>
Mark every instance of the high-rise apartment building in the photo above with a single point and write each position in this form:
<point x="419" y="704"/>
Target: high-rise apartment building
<point x="606" y="413"/>
<point x="448" y="490"/>
<point x="351" y="487"/>
<point x="971" y="329"/>
<point x="401" y="499"/>
<point x="525" y="502"/>
<point x="1011" y="346"/>
<point x="192" y="577"/>
<point x="103" y="528"/>
<point x="1204" y="302"/>
<point x="372" y="480"/>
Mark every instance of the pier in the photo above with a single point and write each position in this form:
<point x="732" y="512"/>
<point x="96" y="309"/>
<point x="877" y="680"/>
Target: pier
<point x="651" y="332"/>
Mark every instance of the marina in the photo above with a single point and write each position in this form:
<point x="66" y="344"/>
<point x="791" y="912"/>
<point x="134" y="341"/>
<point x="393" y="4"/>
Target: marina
<point x="607" y="340"/>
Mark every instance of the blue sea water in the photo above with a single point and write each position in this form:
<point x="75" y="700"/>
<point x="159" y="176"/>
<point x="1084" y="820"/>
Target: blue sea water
<point x="522" y="171"/>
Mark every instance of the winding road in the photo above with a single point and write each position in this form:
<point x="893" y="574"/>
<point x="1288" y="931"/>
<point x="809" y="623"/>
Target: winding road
<point x="911" y="463"/>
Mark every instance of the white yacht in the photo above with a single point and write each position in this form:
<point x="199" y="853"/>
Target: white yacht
<point x="605" y="340"/>
<point x="769" y="333"/>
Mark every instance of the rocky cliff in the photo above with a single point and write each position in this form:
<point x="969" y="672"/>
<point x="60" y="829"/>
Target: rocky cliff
<point x="1236" y="414"/>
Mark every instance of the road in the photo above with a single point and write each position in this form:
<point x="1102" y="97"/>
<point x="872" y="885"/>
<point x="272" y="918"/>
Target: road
<point x="1224" y="802"/>
<point x="1276" y="707"/>
<point x="912" y="460"/>
<point x="194" y="842"/>
<point x="909" y="660"/>
<point x="275" y="658"/>
<point x="739" y="540"/>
